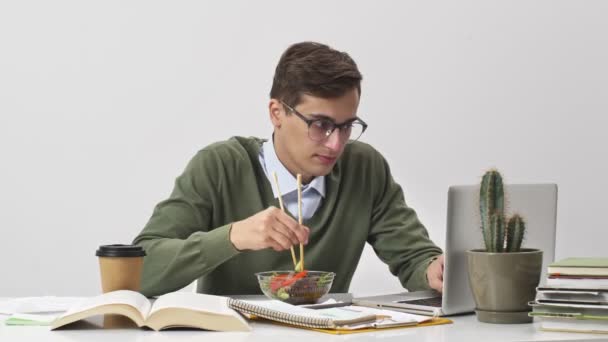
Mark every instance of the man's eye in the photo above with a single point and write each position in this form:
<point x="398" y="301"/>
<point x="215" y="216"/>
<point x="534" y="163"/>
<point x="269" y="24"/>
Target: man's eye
<point x="324" y="125"/>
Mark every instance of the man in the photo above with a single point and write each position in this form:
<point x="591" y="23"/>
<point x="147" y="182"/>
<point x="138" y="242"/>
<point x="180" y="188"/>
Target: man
<point x="222" y="224"/>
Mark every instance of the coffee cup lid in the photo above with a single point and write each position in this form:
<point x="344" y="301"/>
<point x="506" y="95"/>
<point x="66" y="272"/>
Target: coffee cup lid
<point x="118" y="250"/>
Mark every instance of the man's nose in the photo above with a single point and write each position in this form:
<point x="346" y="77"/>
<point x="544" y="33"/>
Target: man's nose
<point x="333" y="141"/>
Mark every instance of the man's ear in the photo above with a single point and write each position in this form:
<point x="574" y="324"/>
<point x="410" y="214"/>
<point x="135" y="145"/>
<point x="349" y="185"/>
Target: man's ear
<point x="275" y="110"/>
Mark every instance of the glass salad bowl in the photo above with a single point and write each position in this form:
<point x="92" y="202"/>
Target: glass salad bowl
<point x="293" y="287"/>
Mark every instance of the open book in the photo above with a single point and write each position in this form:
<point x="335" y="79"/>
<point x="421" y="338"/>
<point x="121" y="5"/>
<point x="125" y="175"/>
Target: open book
<point x="177" y="309"/>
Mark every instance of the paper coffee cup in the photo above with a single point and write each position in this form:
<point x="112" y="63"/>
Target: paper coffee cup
<point x="120" y="267"/>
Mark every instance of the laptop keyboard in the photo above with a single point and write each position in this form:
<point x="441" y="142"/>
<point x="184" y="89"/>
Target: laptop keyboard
<point x="434" y="301"/>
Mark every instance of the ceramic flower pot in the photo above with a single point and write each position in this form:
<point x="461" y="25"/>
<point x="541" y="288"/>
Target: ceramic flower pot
<point x="504" y="283"/>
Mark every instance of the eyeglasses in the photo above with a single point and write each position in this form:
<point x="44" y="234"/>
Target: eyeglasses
<point x="319" y="129"/>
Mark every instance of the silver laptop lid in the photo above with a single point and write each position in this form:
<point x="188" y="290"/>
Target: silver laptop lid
<point x="536" y="203"/>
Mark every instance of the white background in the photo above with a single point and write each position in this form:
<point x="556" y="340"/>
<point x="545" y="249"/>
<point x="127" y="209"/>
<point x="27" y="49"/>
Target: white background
<point x="103" y="103"/>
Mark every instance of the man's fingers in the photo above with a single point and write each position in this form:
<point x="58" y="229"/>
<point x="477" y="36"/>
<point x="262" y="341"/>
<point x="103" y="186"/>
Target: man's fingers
<point x="274" y="245"/>
<point x="279" y="238"/>
<point x="436" y="281"/>
<point x="434" y="274"/>
<point x="282" y="228"/>
<point x="439" y="270"/>
<point x="290" y="236"/>
<point x="301" y="232"/>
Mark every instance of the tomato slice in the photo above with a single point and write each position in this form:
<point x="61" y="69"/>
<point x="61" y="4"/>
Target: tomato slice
<point x="293" y="279"/>
<point x="277" y="282"/>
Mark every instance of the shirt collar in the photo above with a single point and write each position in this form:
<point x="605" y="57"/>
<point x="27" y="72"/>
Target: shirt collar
<point x="287" y="182"/>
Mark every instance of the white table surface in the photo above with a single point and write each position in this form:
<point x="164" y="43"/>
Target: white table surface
<point x="463" y="328"/>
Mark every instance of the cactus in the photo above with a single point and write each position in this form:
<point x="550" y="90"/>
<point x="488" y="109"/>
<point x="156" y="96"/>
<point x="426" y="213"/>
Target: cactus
<point x="497" y="232"/>
<point x="515" y="233"/>
<point x="499" y="236"/>
<point x="491" y="200"/>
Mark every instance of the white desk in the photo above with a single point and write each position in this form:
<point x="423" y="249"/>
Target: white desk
<point x="464" y="328"/>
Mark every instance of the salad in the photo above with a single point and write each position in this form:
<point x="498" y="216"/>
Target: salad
<point x="295" y="287"/>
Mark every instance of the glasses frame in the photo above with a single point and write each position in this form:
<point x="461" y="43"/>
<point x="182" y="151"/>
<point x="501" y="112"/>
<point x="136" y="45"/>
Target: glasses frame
<point x="309" y="123"/>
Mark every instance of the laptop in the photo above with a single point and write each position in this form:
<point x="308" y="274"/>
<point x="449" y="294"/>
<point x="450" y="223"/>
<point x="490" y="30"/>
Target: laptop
<point x="536" y="203"/>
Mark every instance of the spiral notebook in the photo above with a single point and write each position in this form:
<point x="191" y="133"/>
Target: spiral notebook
<point x="339" y="318"/>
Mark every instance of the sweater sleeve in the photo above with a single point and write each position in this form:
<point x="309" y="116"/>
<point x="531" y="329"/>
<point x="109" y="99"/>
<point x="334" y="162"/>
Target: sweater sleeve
<point x="396" y="234"/>
<point x="178" y="240"/>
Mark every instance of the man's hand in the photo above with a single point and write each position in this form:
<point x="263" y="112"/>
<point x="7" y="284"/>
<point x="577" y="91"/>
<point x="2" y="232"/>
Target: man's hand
<point x="269" y="228"/>
<point x="434" y="274"/>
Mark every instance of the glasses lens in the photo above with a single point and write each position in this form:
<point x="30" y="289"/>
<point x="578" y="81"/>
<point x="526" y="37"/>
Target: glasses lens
<point x="356" y="129"/>
<point x="320" y="129"/>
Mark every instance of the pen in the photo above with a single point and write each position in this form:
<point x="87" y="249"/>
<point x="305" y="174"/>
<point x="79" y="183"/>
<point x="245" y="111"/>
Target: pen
<point x="325" y="306"/>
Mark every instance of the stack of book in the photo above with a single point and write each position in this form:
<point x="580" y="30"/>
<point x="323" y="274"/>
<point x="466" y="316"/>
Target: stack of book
<point x="574" y="297"/>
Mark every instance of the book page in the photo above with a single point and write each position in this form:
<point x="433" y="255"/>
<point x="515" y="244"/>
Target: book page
<point x="195" y="310"/>
<point x="384" y="318"/>
<point x="390" y="318"/>
<point x="572" y="305"/>
<point x="30" y="319"/>
<point x="573" y="324"/>
<point x="194" y="301"/>
<point x="37" y="304"/>
<point x="581" y="262"/>
<point x="126" y="297"/>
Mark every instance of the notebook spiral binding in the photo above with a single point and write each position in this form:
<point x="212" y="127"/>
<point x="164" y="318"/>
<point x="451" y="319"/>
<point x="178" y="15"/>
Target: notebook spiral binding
<point x="283" y="317"/>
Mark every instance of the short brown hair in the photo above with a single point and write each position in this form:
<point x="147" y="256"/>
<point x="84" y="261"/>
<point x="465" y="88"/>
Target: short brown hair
<point x="314" y="69"/>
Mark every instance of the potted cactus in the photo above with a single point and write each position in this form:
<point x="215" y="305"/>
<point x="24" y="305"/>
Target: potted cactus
<point x="503" y="276"/>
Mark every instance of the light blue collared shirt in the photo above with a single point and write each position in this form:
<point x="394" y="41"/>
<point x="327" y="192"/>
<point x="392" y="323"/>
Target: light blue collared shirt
<point x="312" y="193"/>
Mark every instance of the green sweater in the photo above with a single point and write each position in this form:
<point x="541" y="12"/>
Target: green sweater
<point x="187" y="236"/>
